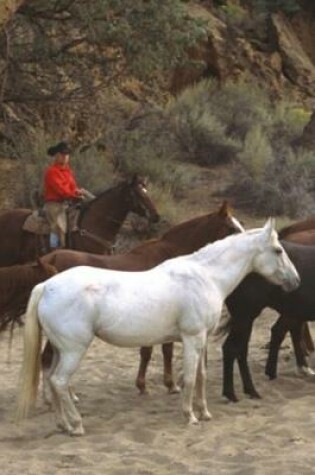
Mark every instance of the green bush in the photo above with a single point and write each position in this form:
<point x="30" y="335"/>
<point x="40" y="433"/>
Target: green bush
<point x="256" y="154"/>
<point x="201" y="134"/>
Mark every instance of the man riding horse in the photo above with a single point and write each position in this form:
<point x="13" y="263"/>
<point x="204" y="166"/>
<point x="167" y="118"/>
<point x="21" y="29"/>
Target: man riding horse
<point x="60" y="188"/>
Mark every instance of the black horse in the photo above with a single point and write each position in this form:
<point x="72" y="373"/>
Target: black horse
<point x="246" y="303"/>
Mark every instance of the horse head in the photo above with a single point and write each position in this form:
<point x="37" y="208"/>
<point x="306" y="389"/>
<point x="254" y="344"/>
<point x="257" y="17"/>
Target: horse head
<point x="139" y="200"/>
<point x="272" y="261"/>
<point x="224" y="222"/>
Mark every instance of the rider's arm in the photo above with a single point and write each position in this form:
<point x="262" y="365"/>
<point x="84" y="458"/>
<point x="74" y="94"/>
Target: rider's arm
<point x="61" y="183"/>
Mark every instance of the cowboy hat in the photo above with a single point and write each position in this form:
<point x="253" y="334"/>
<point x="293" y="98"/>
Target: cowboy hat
<point x="61" y="147"/>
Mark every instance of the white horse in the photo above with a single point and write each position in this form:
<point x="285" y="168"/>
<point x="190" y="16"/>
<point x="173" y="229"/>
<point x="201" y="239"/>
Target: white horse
<point x="179" y="300"/>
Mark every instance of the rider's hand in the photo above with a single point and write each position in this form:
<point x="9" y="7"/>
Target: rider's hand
<point x="80" y="193"/>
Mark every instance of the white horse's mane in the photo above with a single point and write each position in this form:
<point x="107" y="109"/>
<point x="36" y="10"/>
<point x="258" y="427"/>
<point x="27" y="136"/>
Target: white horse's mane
<point x="217" y="248"/>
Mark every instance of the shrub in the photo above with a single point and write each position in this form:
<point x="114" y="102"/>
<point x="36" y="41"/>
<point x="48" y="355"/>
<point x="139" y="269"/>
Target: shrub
<point x="256" y="154"/>
<point x="282" y="188"/>
<point x="201" y="134"/>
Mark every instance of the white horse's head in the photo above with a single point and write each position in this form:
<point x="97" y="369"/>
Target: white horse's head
<point x="272" y="260"/>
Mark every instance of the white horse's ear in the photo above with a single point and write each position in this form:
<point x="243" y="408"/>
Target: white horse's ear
<point x="268" y="228"/>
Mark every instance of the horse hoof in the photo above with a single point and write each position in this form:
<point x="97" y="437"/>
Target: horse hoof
<point x="63" y="428"/>
<point x="77" y="432"/>
<point x="271" y="376"/>
<point x="193" y="421"/>
<point x="230" y="397"/>
<point x="174" y="389"/>
<point x="305" y="371"/>
<point x="144" y="392"/>
<point x="205" y="416"/>
<point x="253" y="394"/>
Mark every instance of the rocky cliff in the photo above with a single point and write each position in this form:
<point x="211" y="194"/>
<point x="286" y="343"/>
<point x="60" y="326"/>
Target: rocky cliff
<point x="279" y="53"/>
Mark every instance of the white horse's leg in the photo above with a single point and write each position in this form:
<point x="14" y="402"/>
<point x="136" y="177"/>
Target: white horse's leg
<point x="201" y="384"/>
<point x="192" y="346"/>
<point x="70" y="416"/>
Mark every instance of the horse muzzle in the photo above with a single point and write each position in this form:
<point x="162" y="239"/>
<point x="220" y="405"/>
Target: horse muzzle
<point x="291" y="284"/>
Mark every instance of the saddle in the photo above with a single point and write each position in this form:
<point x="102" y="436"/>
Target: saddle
<point x="37" y="223"/>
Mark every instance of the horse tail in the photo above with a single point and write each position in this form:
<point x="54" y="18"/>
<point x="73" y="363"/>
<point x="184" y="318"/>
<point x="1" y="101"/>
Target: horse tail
<point x="29" y="377"/>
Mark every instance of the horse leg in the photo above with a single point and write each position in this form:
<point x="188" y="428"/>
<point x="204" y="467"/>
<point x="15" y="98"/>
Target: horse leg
<point x="307" y="342"/>
<point x="48" y="365"/>
<point x="145" y="357"/>
<point x="192" y="348"/>
<point x="70" y="416"/>
<point x="201" y="383"/>
<point x="248" y="385"/>
<point x="167" y="349"/>
<point x="278" y="332"/>
<point x="229" y="349"/>
<point x="49" y="393"/>
<point x="297" y="332"/>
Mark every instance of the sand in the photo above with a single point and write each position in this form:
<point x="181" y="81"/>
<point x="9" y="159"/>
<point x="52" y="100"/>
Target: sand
<point x="131" y="434"/>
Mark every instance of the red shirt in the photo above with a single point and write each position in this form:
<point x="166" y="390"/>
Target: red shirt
<point x="59" y="183"/>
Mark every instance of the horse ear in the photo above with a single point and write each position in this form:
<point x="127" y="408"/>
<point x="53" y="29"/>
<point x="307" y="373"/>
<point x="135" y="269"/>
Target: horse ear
<point x="39" y="262"/>
<point x="134" y="179"/>
<point x="269" y="227"/>
<point x="225" y="209"/>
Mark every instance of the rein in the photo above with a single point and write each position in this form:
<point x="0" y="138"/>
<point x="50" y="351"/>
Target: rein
<point x="108" y="245"/>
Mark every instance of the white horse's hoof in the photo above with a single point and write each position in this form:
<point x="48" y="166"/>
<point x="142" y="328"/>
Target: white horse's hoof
<point x="77" y="432"/>
<point x="205" y="416"/>
<point x="192" y="420"/>
<point x="174" y="389"/>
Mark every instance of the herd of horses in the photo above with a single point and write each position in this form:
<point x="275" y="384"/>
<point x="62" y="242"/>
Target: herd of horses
<point x="207" y="260"/>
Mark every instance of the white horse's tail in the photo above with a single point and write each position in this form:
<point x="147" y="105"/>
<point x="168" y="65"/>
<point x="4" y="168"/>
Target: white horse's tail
<point x="29" y="377"/>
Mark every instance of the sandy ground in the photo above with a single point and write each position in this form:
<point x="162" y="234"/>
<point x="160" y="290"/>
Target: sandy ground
<point x="129" y="434"/>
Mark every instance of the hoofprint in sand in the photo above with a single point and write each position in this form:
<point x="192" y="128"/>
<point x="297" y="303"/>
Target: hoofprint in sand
<point x="147" y="435"/>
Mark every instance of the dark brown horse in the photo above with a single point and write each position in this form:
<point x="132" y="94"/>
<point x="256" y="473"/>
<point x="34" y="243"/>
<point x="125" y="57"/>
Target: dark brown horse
<point x="98" y="224"/>
<point x="305" y="225"/>
<point x="16" y="283"/>
<point x="184" y="238"/>
<point x="247" y="302"/>
<point x="302" y="232"/>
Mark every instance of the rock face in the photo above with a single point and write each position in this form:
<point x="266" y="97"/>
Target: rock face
<point x="7" y="9"/>
<point x="283" y="59"/>
<point x="307" y="139"/>
<point x="297" y="66"/>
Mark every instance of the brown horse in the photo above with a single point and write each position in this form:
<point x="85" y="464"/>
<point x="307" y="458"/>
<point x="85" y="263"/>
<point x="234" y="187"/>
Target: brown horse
<point x="16" y="283"/>
<point x="99" y="222"/>
<point x="184" y="238"/>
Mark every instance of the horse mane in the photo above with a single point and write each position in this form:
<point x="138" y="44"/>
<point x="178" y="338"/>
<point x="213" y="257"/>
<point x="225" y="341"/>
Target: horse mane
<point x="85" y="205"/>
<point x="187" y="225"/>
